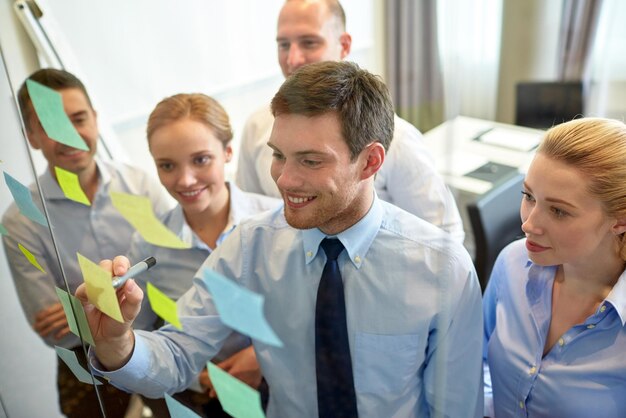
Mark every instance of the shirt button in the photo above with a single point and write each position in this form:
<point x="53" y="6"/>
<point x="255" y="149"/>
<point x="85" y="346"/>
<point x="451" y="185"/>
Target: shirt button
<point x="532" y="370"/>
<point x="309" y="254"/>
<point x="357" y="259"/>
<point x="591" y="326"/>
<point x="603" y="308"/>
<point x="561" y="342"/>
<point x="521" y="405"/>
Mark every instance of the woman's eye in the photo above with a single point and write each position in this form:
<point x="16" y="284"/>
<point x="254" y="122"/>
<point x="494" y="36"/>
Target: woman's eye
<point x="203" y="159"/>
<point x="165" y="166"/>
<point x="527" y="196"/>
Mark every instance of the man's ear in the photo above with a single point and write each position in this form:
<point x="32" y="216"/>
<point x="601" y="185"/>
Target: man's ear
<point x="373" y="157"/>
<point x="345" y="40"/>
<point x="619" y="227"/>
<point x="31" y="134"/>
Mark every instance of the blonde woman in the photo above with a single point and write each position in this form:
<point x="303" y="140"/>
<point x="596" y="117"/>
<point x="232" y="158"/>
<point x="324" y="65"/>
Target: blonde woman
<point x="189" y="136"/>
<point x="555" y="306"/>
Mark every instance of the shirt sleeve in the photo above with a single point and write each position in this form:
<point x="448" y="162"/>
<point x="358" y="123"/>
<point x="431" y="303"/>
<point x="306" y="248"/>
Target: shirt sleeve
<point x="453" y="372"/>
<point x="35" y="289"/>
<point x="169" y="360"/>
<point x="410" y="181"/>
<point x="490" y="301"/>
<point x="246" y="176"/>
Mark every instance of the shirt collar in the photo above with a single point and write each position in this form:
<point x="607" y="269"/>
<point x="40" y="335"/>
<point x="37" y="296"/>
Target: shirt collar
<point x="540" y="277"/>
<point x="357" y="239"/>
<point x="617" y="297"/>
<point x="177" y="224"/>
<point x="186" y="234"/>
<point x="52" y="190"/>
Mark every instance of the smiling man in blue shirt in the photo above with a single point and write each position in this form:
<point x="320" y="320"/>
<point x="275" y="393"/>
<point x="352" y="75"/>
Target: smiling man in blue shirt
<point x="412" y="300"/>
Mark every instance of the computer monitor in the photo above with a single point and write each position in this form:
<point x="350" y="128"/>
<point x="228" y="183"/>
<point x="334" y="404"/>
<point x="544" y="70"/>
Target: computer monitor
<point x="543" y="104"/>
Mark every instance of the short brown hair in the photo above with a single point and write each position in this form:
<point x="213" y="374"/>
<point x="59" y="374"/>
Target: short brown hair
<point x="195" y="106"/>
<point x="52" y="78"/>
<point x="360" y="99"/>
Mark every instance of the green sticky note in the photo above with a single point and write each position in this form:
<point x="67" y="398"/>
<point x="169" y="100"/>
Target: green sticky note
<point x="48" y="105"/>
<point x="71" y="186"/>
<point x="137" y="210"/>
<point x="69" y="358"/>
<point x="75" y="322"/>
<point x="3" y="230"/>
<point x="100" y="289"/>
<point x="163" y="306"/>
<point x="30" y="257"/>
<point x="237" y="398"/>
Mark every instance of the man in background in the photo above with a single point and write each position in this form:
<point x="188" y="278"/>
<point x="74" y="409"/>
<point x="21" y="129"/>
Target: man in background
<point x="97" y="231"/>
<point x="312" y="31"/>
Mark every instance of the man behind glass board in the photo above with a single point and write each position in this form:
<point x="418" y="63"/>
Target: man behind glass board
<point x="411" y="316"/>
<point x="97" y="231"/>
<point x="310" y="31"/>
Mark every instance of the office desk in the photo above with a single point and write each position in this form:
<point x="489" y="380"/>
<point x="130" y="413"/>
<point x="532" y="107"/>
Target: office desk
<point x="472" y="154"/>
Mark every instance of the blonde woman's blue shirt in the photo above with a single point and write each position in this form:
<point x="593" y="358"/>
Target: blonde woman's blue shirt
<point x="582" y="375"/>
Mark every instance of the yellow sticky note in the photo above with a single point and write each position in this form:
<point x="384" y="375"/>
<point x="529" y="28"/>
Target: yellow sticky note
<point x="137" y="210"/>
<point x="31" y="258"/>
<point x="71" y="187"/>
<point x="100" y="288"/>
<point x="163" y="306"/>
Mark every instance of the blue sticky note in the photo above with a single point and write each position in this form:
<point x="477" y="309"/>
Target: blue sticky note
<point x="240" y="308"/>
<point x="24" y="200"/>
<point x="178" y="410"/>
<point x="48" y="105"/>
<point x="69" y="358"/>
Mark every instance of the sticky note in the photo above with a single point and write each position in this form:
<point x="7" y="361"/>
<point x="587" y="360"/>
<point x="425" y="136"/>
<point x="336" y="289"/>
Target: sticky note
<point x="240" y="308"/>
<point x="100" y="288"/>
<point x="237" y="398"/>
<point x="24" y="200"/>
<point x="177" y="409"/>
<point x="163" y="306"/>
<point x="3" y="230"/>
<point x="75" y="322"/>
<point x="137" y="210"/>
<point x="30" y="257"/>
<point x="71" y="187"/>
<point x="48" y="106"/>
<point x="69" y="358"/>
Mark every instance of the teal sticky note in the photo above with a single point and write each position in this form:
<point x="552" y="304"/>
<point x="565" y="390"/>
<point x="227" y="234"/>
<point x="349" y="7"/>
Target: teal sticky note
<point x="178" y="410"/>
<point x="78" y="322"/>
<point x="69" y="358"/>
<point x="237" y="398"/>
<point x="240" y="308"/>
<point x="48" y="105"/>
<point x="24" y="200"/>
<point x="3" y="230"/>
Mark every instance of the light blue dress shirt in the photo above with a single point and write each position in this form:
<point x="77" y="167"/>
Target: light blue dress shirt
<point x="413" y="314"/>
<point x="583" y="375"/>
<point x="98" y="231"/>
<point x="175" y="268"/>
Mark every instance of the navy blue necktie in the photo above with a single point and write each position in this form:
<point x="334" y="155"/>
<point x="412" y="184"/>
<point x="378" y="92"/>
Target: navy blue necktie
<point x="335" y="383"/>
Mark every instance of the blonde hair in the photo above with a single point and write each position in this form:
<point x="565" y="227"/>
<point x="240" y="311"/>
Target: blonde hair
<point x="597" y="148"/>
<point x="195" y="106"/>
